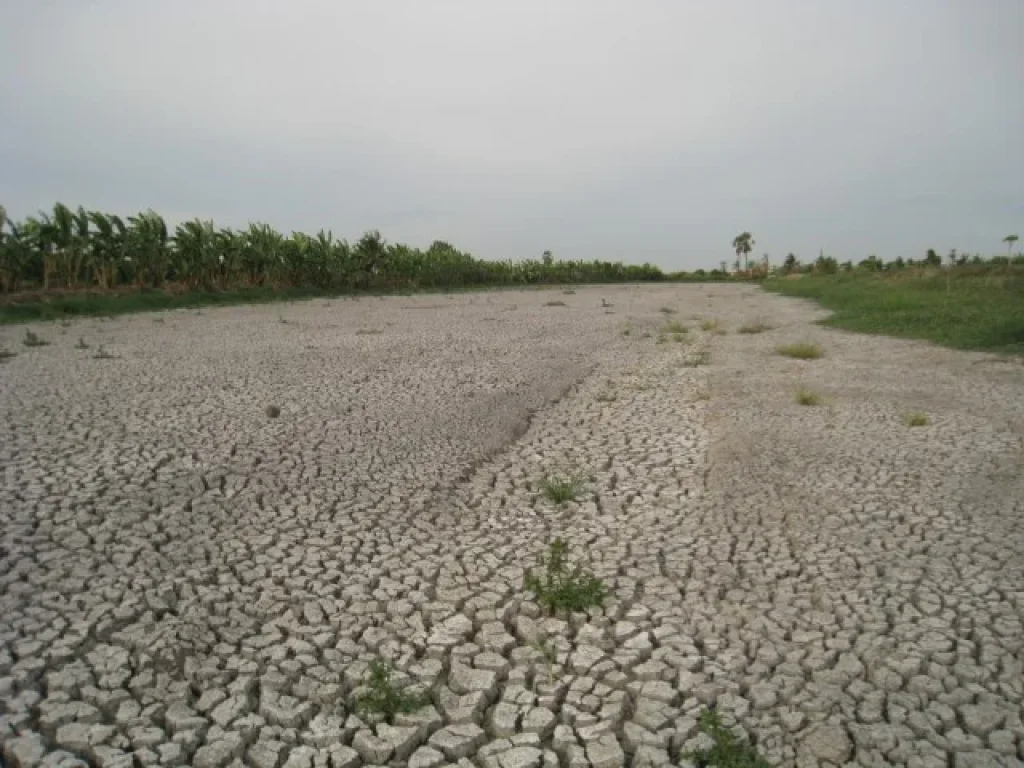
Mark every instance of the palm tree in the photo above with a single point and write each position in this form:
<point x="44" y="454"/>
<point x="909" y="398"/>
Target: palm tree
<point x="743" y="244"/>
<point x="1010" y="240"/>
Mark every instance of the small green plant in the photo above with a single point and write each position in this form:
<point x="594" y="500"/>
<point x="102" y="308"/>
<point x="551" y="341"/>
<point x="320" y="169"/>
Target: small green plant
<point x="384" y="699"/>
<point x="709" y="325"/>
<point x="674" y="326"/>
<point x="103" y="354"/>
<point x="757" y="327"/>
<point x="6" y="354"/>
<point x="32" y="340"/>
<point x="273" y="411"/>
<point x="727" y="750"/>
<point x="916" y="419"/>
<point x="627" y="330"/>
<point x="807" y="397"/>
<point x="678" y="338"/>
<point x="555" y="303"/>
<point x="801" y="350"/>
<point x="81" y="344"/>
<point x="560" y="489"/>
<point x="561" y="587"/>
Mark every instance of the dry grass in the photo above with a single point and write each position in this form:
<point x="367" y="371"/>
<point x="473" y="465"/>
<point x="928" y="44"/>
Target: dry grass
<point x="807" y="397"/>
<point x="801" y="350"/>
<point x="916" y="419"/>
<point x="757" y="327"/>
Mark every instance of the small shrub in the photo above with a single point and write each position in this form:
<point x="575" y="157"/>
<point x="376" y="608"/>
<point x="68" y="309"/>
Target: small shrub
<point x="103" y="354"/>
<point x="709" y="325"/>
<point x="6" y="354"/>
<point x="667" y="311"/>
<point x="273" y="411"/>
<point x="559" y="587"/>
<point x="807" y="397"/>
<point x="555" y="303"/>
<point x="561" y="489"/>
<point x="81" y="344"/>
<point x="606" y="304"/>
<point x="916" y="419"/>
<point x="757" y="327"/>
<point x="727" y="750"/>
<point x="674" y="326"/>
<point x="384" y="699"/>
<point x="32" y="340"/>
<point x="801" y="350"/>
<point x="678" y="338"/>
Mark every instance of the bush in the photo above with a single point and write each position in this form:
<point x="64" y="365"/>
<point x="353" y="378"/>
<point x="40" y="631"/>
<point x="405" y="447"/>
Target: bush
<point x="804" y="350"/>
<point x="384" y="699"/>
<point x="560" y="588"/>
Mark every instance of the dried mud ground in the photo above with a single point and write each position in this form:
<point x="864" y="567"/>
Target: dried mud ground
<point x="185" y="580"/>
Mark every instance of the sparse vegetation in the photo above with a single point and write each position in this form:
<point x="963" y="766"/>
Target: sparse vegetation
<point x="559" y="489"/>
<point x="916" y="419"/>
<point x="382" y="698"/>
<point x="568" y="292"/>
<point x="558" y="586"/>
<point x="82" y="344"/>
<point x="801" y="350"/>
<point x="103" y="354"/>
<point x="368" y="331"/>
<point x="607" y="396"/>
<point x="666" y="310"/>
<point x="710" y="325"/>
<point x="273" y="411"/>
<point x="727" y="749"/>
<point x="674" y="326"/>
<point x="754" y="327"/>
<point x="807" y="397"/>
<point x="6" y="354"/>
<point x="555" y="303"/>
<point x="32" y="340"/>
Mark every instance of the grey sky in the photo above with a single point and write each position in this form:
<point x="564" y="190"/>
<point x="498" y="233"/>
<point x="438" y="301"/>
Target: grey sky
<point x="641" y="130"/>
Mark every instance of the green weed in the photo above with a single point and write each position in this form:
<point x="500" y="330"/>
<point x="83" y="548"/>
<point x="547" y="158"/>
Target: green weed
<point x="757" y="327"/>
<point x="807" y="397"/>
<point x="674" y="326"/>
<point x="727" y="750"/>
<point x="561" y="587"/>
<point x="383" y="699"/>
<point x="558" y="489"/>
<point x="916" y="419"/>
<point x="801" y="350"/>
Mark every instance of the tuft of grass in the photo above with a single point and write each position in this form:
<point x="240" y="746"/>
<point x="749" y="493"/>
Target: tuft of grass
<point x="709" y="325"/>
<point x="560" y="489"/>
<point x="383" y="699"/>
<point x="555" y="303"/>
<point x="674" y="326"/>
<point x="964" y="307"/>
<point x="103" y="354"/>
<point x="32" y="340"/>
<point x="81" y="344"/>
<point x="757" y="327"/>
<point x="6" y="354"/>
<point x="807" y="397"/>
<point x="273" y="411"/>
<point x="558" y="586"/>
<point x="608" y="396"/>
<point x="801" y="350"/>
<point x="727" y="749"/>
<point x="667" y="310"/>
<point x="678" y="338"/>
<point x="916" y="419"/>
<point x="368" y="331"/>
<point x="65" y="323"/>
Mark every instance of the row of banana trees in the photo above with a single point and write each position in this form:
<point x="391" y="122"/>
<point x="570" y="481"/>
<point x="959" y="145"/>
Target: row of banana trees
<point x="75" y="249"/>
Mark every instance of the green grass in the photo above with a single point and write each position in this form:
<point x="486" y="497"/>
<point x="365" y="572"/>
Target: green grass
<point x="673" y="326"/>
<point x="559" y="587"/>
<point x="757" y="327"/>
<point x="969" y="307"/>
<point x="727" y="750"/>
<point x="807" y="397"/>
<point x="801" y="350"/>
<point x="916" y="419"/>
<point x="711" y="326"/>
<point x="559" y="489"/>
<point x="383" y="699"/>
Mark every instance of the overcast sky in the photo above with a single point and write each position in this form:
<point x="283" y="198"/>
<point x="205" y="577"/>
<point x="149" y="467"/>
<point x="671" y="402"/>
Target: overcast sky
<point x="642" y="130"/>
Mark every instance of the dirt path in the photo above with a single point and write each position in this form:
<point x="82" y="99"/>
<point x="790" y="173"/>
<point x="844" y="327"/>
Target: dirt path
<point x="186" y="581"/>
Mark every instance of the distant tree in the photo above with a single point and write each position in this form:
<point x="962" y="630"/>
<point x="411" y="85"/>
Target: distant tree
<point x="932" y="259"/>
<point x="1010" y="240"/>
<point x="724" y="266"/>
<point x="791" y="264"/>
<point x="826" y="265"/>
<point x="547" y="258"/>
<point x="871" y="264"/>
<point x="743" y="243"/>
<point x="898" y="263"/>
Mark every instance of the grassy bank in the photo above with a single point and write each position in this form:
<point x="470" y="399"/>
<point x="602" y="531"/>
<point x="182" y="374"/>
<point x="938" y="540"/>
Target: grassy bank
<point x="966" y="307"/>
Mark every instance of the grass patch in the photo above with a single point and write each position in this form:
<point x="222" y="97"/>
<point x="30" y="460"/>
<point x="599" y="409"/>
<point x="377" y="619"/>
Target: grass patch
<point x="382" y="698"/>
<point x="757" y="327"/>
<point x="558" y="489"/>
<point x="807" y="397"/>
<point x="369" y="332"/>
<point x="916" y="419"/>
<point x="103" y="354"/>
<point x="32" y="340"/>
<point x="969" y="307"/>
<point x="727" y="749"/>
<point x="710" y="325"/>
<point x="674" y="326"/>
<point x="801" y="350"/>
<point x="558" y="586"/>
<point x="82" y="344"/>
<point x="555" y="303"/>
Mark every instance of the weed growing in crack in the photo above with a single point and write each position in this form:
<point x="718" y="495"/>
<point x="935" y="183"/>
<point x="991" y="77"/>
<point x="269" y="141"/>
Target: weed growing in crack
<point x="807" y="397"/>
<point x="727" y="750"/>
<point x="801" y="350"/>
<point x="558" y="489"/>
<point x="383" y="699"/>
<point x="916" y="419"/>
<point x="81" y="344"/>
<point x="561" y="587"/>
<point x="757" y="327"/>
<point x="32" y="340"/>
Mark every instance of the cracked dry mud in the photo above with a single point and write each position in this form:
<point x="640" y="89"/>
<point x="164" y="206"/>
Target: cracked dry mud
<point x="187" y="581"/>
